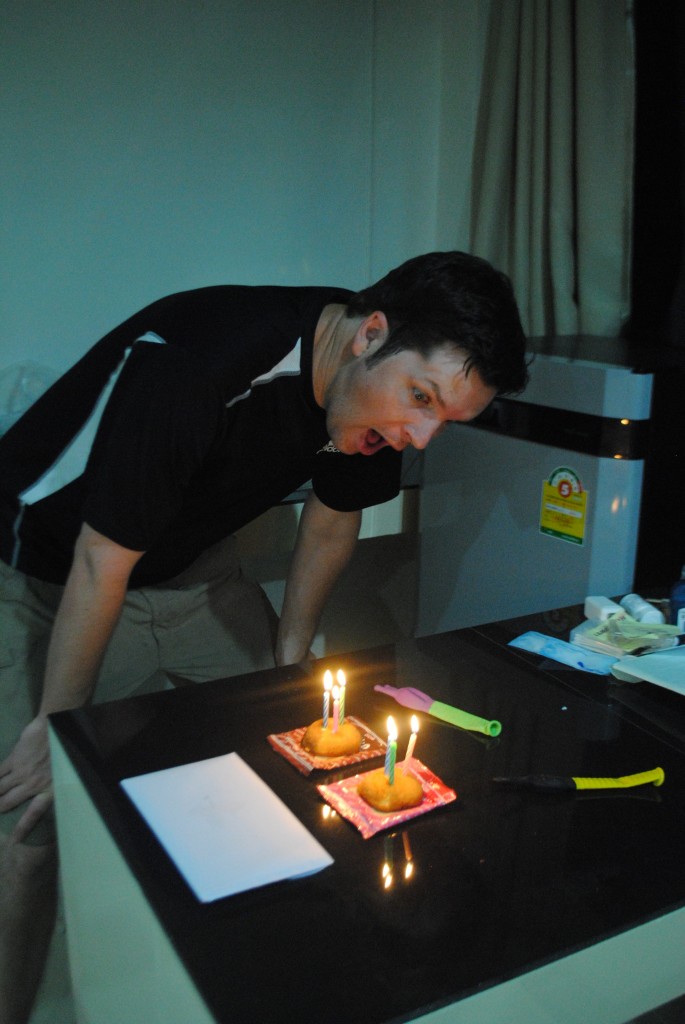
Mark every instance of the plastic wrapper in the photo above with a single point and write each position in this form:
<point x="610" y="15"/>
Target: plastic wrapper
<point x="288" y="744"/>
<point x="567" y="654"/>
<point x="625" y="633"/>
<point x="345" y="799"/>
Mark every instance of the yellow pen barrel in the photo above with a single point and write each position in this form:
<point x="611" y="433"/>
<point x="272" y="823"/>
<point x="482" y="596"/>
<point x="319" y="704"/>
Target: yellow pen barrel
<point x="655" y="776"/>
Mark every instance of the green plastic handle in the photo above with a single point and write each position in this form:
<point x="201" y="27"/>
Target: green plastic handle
<point x="655" y="776"/>
<point x="463" y="719"/>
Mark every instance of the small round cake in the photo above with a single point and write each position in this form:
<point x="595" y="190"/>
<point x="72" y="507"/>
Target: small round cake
<point x="347" y="739"/>
<point x="406" y="791"/>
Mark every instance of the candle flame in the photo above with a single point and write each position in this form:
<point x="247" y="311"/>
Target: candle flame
<point x="414" y="723"/>
<point x="408" y="870"/>
<point x="327" y="679"/>
<point x="336" y="692"/>
<point x="340" y="676"/>
<point x="392" y="729"/>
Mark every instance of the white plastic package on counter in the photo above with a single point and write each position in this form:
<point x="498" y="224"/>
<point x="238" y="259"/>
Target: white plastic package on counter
<point x="567" y="654"/>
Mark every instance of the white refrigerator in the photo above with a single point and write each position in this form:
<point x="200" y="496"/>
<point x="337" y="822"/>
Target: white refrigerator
<point x="537" y="504"/>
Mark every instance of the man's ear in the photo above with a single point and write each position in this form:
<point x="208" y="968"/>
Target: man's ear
<point x="371" y="333"/>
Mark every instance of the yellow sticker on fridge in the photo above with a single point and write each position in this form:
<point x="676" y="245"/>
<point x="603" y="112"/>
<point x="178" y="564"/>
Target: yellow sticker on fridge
<point x="564" y="506"/>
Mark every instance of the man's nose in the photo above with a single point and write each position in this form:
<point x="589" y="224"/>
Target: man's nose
<point x="421" y="433"/>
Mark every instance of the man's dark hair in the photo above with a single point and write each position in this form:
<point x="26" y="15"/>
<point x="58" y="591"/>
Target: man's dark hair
<point x="456" y="299"/>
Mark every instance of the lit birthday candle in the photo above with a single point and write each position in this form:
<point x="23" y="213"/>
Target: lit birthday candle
<point x="342" y="682"/>
<point x="327" y="684"/>
<point x="391" y="752"/>
<point x="336" y="708"/>
<point x="411" y="744"/>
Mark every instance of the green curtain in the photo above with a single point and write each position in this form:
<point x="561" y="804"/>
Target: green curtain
<point x="552" y="160"/>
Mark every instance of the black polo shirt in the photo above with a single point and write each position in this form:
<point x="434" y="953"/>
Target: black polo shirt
<point x="180" y="426"/>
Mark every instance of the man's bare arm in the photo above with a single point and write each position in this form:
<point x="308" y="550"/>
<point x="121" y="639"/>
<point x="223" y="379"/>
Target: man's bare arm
<point x="89" y="610"/>
<point x="325" y="542"/>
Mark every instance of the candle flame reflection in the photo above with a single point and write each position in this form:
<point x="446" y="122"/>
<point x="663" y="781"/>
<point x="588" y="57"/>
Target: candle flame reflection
<point x="387" y="869"/>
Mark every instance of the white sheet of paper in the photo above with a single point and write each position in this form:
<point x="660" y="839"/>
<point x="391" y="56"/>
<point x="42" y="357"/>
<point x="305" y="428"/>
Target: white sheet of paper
<point x="223" y="827"/>
<point x="665" y="668"/>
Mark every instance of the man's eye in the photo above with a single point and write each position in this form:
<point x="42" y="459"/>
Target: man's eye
<point x="421" y="396"/>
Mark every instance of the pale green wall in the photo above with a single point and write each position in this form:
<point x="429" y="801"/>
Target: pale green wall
<point x="149" y="146"/>
<point x="428" y="64"/>
<point x="155" y="146"/>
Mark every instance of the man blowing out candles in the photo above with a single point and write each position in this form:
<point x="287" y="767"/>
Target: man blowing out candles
<point x="121" y="487"/>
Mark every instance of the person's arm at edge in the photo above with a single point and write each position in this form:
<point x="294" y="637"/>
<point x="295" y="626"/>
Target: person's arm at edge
<point x="91" y="604"/>
<point x="324" y="546"/>
<point x="89" y="610"/>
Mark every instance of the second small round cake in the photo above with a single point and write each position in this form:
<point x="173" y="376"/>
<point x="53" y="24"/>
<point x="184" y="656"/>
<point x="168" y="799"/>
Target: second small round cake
<point x="347" y="739"/>
<point x="406" y="791"/>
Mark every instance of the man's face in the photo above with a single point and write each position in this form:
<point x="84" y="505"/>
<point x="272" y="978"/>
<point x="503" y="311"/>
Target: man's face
<point x="402" y="400"/>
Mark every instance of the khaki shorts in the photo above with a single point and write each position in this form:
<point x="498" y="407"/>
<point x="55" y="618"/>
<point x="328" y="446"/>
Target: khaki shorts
<point x="207" y="623"/>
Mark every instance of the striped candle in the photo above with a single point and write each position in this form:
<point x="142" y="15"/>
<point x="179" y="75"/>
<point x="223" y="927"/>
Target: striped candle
<point x="391" y="751"/>
<point x="340" y="676"/>
<point x="336" y="708"/>
<point x="327" y="684"/>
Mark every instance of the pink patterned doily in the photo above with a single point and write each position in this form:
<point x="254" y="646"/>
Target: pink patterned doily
<point x="288" y="744"/>
<point x="345" y="799"/>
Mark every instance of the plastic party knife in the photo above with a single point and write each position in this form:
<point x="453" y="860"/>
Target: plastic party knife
<point x="417" y="700"/>
<point x="567" y="782"/>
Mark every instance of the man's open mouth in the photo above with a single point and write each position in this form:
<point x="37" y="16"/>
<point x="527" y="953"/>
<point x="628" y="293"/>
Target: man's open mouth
<point x="372" y="442"/>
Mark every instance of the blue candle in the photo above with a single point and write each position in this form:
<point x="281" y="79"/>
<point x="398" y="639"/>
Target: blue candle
<point x="391" y="751"/>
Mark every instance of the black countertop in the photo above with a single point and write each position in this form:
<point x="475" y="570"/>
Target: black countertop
<point x="504" y="880"/>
